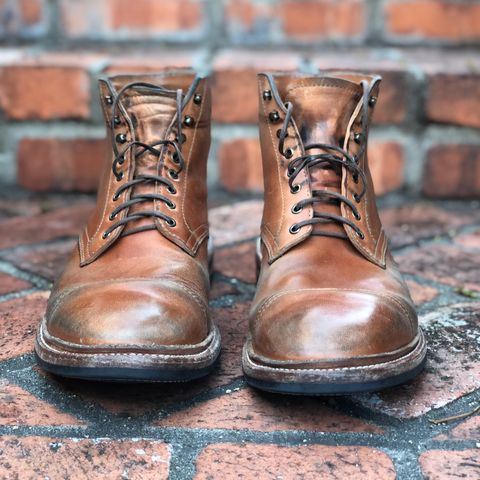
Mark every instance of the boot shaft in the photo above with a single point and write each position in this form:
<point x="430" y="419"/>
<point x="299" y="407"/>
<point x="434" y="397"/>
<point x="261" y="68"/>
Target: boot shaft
<point x="314" y="133"/>
<point x="154" y="177"/>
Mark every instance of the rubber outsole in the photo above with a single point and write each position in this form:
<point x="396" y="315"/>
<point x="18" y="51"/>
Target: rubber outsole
<point x="137" y="375"/>
<point x="335" y="389"/>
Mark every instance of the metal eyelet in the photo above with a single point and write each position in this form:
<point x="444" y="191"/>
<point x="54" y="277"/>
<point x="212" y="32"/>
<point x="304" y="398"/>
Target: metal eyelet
<point x="121" y="160"/>
<point x="372" y="101"/>
<point x="296" y="209"/>
<point x="181" y="140"/>
<point x="119" y="176"/>
<point x="171" y="190"/>
<point x="116" y="120"/>
<point x="357" y="215"/>
<point x="288" y="153"/>
<point x="171" y="222"/>
<point x="267" y="95"/>
<point x="121" y="138"/>
<point x="279" y="132"/>
<point x="355" y="178"/>
<point x="105" y="235"/>
<point x="175" y="158"/>
<point x="290" y="172"/>
<point x="357" y="138"/>
<point x="189" y="121"/>
<point x="115" y="198"/>
<point x="294" y="229"/>
<point x="361" y="235"/>
<point x="274" y="116"/>
<point x="171" y="205"/>
<point x="111" y="217"/>
<point x="173" y="174"/>
<point x="356" y="198"/>
<point x="197" y="99"/>
<point x="108" y="99"/>
<point x="296" y="188"/>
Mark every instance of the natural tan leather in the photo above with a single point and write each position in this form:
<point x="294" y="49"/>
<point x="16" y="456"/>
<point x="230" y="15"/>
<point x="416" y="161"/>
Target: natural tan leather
<point x="146" y="291"/>
<point x="323" y="302"/>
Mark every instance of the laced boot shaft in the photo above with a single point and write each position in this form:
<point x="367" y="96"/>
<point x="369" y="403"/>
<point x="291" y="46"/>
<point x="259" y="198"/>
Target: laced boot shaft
<point x="160" y="136"/>
<point x="331" y="312"/>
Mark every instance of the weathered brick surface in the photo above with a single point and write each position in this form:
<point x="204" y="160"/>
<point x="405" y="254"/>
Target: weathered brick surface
<point x="40" y="457"/>
<point x="124" y="19"/>
<point x="452" y="171"/>
<point x="45" y="92"/>
<point x="444" y="464"/>
<point x="20" y="319"/>
<point x="433" y="19"/>
<point x="21" y="408"/>
<point x="307" y="462"/>
<point x="9" y="284"/>
<point x="248" y="409"/>
<point x="454" y="99"/>
<point x="57" y="224"/>
<point x="55" y="164"/>
<point x="452" y="368"/>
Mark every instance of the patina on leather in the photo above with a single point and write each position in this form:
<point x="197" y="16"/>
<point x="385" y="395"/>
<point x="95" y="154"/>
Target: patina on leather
<point x="329" y="294"/>
<point x="140" y="288"/>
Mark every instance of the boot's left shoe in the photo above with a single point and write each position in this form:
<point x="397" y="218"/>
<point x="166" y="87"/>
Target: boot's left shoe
<point x="132" y="303"/>
<point x="331" y="314"/>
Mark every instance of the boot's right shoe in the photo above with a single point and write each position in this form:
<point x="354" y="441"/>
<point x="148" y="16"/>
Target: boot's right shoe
<point x="331" y="314"/>
<point x="132" y="303"/>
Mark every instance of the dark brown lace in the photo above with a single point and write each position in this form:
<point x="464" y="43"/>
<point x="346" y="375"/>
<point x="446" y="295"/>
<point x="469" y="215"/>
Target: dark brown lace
<point x="333" y="156"/>
<point x="142" y="148"/>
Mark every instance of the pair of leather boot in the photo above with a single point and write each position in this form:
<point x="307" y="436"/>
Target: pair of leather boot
<point x="331" y="312"/>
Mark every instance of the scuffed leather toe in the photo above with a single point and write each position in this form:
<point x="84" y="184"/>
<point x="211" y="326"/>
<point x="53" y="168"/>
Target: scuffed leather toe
<point x="138" y="313"/>
<point x="332" y="327"/>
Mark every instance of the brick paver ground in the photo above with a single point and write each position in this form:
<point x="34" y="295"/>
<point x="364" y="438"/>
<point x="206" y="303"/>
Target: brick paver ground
<point x="219" y="428"/>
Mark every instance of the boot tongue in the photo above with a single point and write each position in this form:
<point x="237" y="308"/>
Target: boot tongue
<point x="151" y="113"/>
<point x="322" y="108"/>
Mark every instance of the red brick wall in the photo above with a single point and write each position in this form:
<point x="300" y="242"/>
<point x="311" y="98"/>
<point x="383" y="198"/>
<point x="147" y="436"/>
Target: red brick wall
<point x="426" y="133"/>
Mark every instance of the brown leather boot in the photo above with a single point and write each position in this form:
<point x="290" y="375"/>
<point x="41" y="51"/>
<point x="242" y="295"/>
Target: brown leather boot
<point x="331" y="313"/>
<point x="132" y="303"/>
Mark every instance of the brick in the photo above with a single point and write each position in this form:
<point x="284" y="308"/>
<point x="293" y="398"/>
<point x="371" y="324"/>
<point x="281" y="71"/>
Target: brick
<point x="386" y="162"/>
<point x="247" y="409"/>
<point x="240" y="165"/>
<point x="469" y="240"/>
<point x="20" y="318"/>
<point x="53" y="225"/>
<point x="21" y="408"/>
<point x="421" y="293"/>
<point x="433" y="19"/>
<point x="47" y="261"/>
<point x="453" y="98"/>
<point x="446" y="464"/>
<point x="60" y="164"/>
<point x="22" y="18"/>
<point x="45" y="92"/>
<point x="230" y="461"/>
<point x="43" y="457"/>
<point x="451" y="265"/>
<point x="242" y="18"/>
<point x="452" y="171"/>
<point x="409" y="224"/>
<point x="237" y="262"/>
<point x="234" y="223"/>
<point x="120" y="64"/>
<point x="235" y="87"/>
<point x="467" y="430"/>
<point x="10" y="284"/>
<point x="124" y="19"/>
<point x="452" y="369"/>
<point x="319" y="19"/>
